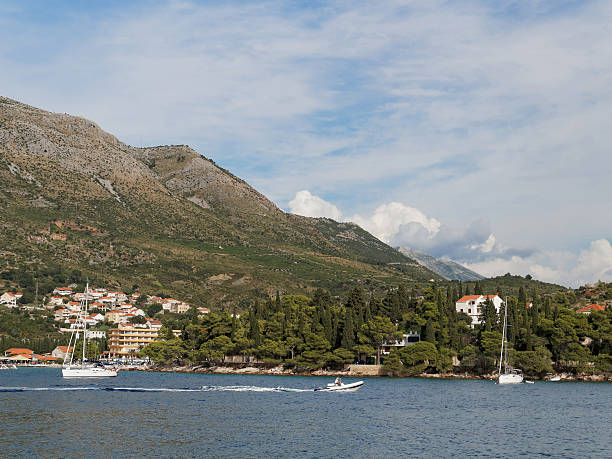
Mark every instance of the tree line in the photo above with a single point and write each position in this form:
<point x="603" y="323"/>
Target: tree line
<point x="320" y="331"/>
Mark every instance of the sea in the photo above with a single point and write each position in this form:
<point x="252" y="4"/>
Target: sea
<point x="187" y="415"/>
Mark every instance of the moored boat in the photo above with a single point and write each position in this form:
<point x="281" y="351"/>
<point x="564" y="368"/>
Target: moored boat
<point x="510" y="375"/>
<point x="83" y="369"/>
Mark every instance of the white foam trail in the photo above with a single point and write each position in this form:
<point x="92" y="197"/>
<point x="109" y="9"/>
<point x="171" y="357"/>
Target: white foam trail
<point x="110" y="389"/>
<point x="252" y="389"/>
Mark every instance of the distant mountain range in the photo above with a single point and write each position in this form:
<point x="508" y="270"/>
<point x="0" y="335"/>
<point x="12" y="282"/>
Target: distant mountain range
<point x="77" y="202"/>
<point x="448" y="269"/>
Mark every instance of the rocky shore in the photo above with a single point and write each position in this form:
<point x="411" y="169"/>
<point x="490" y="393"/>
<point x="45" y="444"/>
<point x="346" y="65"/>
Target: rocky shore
<point x="349" y="371"/>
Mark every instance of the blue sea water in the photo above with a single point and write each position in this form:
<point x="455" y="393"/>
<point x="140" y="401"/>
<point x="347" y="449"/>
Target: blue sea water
<point x="145" y="414"/>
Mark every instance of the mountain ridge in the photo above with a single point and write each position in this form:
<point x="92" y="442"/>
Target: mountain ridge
<point x="167" y="217"/>
<point x="448" y="269"/>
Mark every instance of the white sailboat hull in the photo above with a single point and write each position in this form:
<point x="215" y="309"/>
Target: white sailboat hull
<point x="510" y="378"/>
<point x="93" y="372"/>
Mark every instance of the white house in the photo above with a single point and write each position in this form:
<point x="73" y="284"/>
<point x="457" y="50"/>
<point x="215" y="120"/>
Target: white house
<point x="95" y="334"/>
<point x="63" y="291"/>
<point x="472" y="305"/>
<point x="10" y="299"/>
<point x="60" y="352"/>
<point x="407" y="340"/>
<point x="56" y="301"/>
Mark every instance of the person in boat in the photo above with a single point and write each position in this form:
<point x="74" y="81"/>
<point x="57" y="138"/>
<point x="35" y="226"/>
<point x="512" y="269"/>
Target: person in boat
<point x="338" y="381"/>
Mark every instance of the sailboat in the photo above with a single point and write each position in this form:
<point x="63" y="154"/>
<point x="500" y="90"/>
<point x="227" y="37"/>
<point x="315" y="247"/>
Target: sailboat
<point x="83" y="369"/>
<point x="510" y="375"/>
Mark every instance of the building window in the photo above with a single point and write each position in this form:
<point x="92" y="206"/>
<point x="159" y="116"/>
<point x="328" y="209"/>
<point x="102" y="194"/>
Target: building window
<point x="469" y="311"/>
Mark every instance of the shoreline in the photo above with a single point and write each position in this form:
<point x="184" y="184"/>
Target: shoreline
<point x="351" y="372"/>
<point x="280" y="371"/>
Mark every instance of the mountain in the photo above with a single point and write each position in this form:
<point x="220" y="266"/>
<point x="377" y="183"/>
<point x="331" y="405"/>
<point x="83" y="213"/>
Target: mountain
<point x="78" y="203"/>
<point x="448" y="269"/>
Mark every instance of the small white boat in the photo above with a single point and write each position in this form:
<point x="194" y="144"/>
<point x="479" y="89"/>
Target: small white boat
<point x="529" y="382"/>
<point x="8" y="367"/>
<point x="340" y="386"/>
<point x="552" y="378"/>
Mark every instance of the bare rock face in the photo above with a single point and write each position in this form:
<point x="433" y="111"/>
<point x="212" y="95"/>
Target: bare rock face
<point x="199" y="179"/>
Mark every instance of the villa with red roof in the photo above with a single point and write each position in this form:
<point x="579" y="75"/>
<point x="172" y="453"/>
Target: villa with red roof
<point x="590" y="308"/>
<point x="472" y="306"/>
<point x="10" y="299"/>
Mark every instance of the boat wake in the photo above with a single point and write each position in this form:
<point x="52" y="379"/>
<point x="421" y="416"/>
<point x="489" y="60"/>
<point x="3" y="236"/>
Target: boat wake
<point x="251" y="389"/>
<point x="94" y="388"/>
<point x="153" y="389"/>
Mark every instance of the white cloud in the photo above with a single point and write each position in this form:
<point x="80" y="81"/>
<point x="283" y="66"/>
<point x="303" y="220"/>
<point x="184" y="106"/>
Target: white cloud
<point x="387" y="220"/>
<point x="487" y="246"/>
<point x="308" y="205"/>
<point x="398" y="224"/>
<point x="591" y="264"/>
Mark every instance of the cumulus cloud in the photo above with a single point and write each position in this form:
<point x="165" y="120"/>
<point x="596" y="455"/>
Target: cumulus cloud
<point x="306" y="204"/>
<point x="475" y="245"/>
<point x="591" y="264"/>
<point x="388" y="219"/>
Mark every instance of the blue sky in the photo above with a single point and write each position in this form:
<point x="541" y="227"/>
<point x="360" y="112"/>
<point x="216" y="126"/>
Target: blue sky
<point x="474" y="130"/>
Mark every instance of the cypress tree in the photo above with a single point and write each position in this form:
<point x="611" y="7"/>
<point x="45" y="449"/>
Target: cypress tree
<point x="277" y="302"/>
<point x="522" y="298"/>
<point x="254" y="332"/>
<point x="547" y="308"/>
<point x="396" y="314"/>
<point x="348" y="334"/>
<point x="430" y="334"/>
<point x="327" y="326"/>
<point x="234" y="326"/>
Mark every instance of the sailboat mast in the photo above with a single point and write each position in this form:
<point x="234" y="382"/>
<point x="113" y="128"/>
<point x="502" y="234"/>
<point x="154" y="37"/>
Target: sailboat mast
<point x="506" y="336"/>
<point x="85" y="320"/>
<point x="501" y="352"/>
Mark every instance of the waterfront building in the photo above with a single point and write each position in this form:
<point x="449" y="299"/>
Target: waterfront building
<point x="127" y="339"/>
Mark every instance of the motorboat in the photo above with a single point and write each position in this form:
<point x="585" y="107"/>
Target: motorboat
<point x="8" y="367"/>
<point x="553" y="378"/>
<point x="338" y="385"/>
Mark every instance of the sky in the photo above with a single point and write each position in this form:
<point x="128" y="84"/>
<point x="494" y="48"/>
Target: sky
<point x="473" y="130"/>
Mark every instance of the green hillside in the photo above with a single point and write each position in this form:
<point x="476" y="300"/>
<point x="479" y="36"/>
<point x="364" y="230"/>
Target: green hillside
<point x="77" y="203"/>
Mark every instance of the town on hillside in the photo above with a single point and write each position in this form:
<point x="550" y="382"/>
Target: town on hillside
<point x="123" y="322"/>
<point x="318" y="332"/>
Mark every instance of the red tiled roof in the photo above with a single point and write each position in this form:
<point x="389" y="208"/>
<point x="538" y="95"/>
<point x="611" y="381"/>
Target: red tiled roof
<point x="19" y="350"/>
<point x="64" y="348"/>
<point x="592" y="307"/>
<point x="465" y="298"/>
